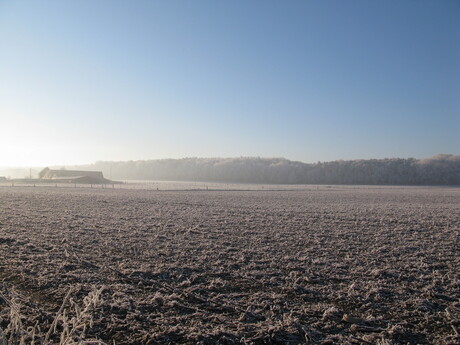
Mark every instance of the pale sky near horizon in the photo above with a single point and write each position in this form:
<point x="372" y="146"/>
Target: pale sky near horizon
<point x="85" y="80"/>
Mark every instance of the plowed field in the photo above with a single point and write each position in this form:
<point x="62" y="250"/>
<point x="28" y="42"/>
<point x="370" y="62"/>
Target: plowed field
<point x="327" y="266"/>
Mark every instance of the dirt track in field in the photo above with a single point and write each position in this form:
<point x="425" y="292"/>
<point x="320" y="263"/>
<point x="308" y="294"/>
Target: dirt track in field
<point x="330" y="266"/>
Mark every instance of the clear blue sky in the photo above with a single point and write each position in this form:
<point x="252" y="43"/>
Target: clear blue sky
<point x="87" y="80"/>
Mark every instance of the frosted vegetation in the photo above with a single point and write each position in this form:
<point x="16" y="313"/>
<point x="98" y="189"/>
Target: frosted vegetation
<point x="329" y="266"/>
<point x="438" y="170"/>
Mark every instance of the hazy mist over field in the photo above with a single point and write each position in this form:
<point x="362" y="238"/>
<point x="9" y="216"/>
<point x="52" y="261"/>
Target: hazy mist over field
<point x="438" y="170"/>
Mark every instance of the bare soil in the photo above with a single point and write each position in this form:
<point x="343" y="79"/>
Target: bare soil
<point x="327" y="266"/>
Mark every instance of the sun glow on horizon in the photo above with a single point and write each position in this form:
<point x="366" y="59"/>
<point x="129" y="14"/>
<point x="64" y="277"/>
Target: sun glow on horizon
<point x="30" y="143"/>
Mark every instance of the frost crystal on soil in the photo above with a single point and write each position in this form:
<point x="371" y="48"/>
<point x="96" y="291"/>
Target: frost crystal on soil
<point x="333" y="266"/>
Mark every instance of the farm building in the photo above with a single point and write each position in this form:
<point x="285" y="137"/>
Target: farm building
<point x="73" y="176"/>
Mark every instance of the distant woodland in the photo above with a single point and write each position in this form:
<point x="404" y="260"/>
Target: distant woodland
<point x="442" y="169"/>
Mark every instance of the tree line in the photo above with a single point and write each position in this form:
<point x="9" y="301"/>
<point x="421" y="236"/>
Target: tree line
<point x="443" y="169"/>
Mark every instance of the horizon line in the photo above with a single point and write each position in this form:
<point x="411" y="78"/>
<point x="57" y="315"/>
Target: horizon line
<point x="215" y="157"/>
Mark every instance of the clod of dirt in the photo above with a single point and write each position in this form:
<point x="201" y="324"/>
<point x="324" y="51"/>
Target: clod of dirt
<point x="332" y="313"/>
<point x="251" y="317"/>
<point x="352" y="319"/>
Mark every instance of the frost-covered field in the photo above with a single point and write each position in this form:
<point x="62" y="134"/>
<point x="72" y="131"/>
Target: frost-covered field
<point x="337" y="265"/>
